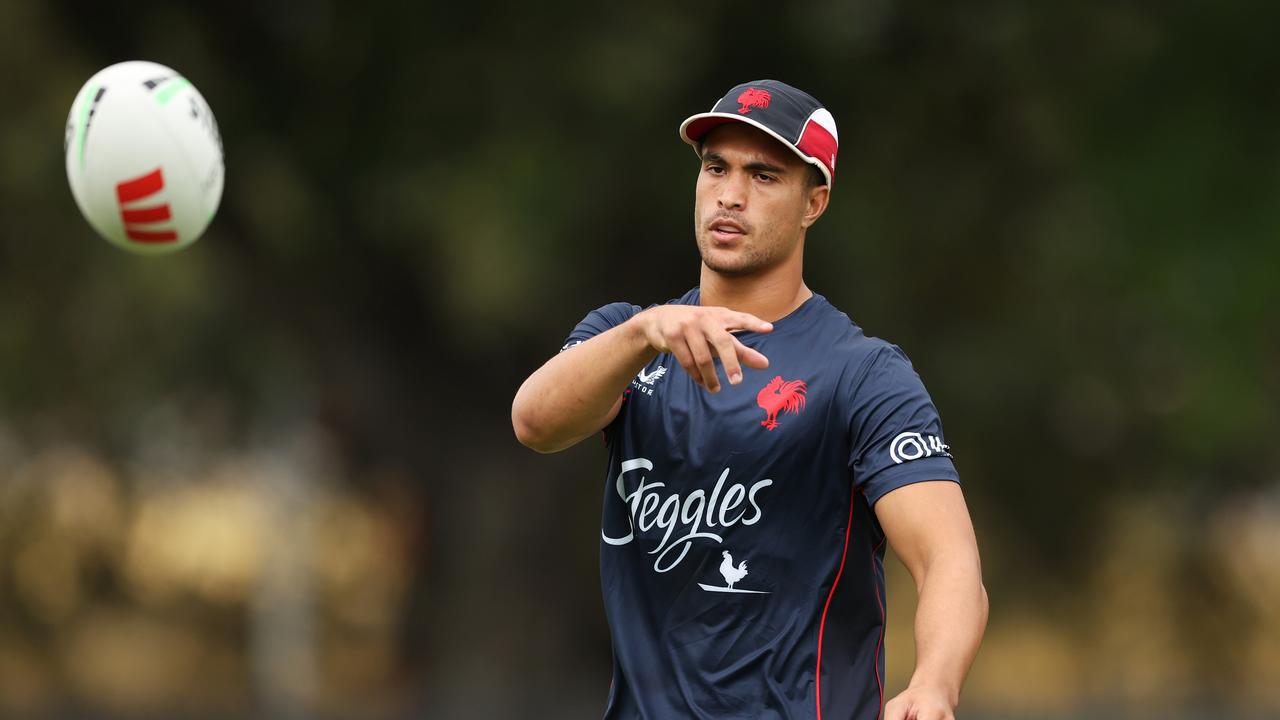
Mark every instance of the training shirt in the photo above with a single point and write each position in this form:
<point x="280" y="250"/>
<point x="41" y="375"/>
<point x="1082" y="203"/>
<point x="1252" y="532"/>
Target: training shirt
<point x="740" y="561"/>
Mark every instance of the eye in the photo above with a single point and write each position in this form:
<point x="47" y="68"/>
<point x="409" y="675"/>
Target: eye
<point x="765" y="177"/>
<point x="714" y="169"/>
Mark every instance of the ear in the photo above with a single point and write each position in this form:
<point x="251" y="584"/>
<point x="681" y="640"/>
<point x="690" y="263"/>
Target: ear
<point x="816" y="204"/>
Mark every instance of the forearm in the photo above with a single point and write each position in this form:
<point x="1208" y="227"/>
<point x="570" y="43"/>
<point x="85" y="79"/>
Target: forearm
<point x="951" y="616"/>
<point x="578" y="392"/>
<point x="574" y="394"/>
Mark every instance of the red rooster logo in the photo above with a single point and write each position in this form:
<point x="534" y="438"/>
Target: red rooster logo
<point x="780" y="396"/>
<point x="753" y="98"/>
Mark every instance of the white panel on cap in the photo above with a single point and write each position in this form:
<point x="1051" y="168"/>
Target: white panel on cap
<point x="824" y="118"/>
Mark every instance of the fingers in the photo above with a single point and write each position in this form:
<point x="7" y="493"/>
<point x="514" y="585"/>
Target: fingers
<point x="726" y="348"/>
<point x="748" y="322"/>
<point x="680" y="349"/>
<point x="664" y="332"/>
<point x="700" y="347"/>
<point x="749" y="357"/>
<point x="914" y="705"/>
<point x="733" y="355"/>
<point x="896" y="709"/>
<point x="696" y="336"/>
<point x="738" y="354"/>
<point x="720" y="344"/>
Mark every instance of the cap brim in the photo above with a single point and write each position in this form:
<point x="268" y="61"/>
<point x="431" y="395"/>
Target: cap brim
<point x="696" y="127"/>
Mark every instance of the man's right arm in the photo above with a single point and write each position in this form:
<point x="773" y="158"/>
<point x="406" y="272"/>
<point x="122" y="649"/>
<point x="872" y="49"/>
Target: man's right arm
<point x="579" y="392"/>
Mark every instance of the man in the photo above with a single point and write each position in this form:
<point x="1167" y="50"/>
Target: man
<point x="744" y="523"/>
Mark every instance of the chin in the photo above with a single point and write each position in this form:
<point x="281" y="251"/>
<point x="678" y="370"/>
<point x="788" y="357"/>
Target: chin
<point x="735" y="267"/>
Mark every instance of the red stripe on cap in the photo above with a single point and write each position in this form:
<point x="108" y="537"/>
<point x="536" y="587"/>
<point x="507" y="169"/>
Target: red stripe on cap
<point x="157" y="213"/>
<point x="151" y="236"/>
<point x="818" y="143"/>
<point x="138" y="188"/>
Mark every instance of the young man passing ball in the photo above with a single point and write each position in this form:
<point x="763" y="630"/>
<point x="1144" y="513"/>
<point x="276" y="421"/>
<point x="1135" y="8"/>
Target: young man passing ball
<point x="762" y="451"/>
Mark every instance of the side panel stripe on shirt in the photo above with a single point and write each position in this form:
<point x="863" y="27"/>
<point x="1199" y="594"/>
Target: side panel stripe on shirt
<point x="880" y="644"/>
<point x="817" y="677"/>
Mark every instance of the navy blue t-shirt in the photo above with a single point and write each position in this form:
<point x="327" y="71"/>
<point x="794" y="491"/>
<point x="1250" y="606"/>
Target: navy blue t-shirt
<point x="740" y="560"/>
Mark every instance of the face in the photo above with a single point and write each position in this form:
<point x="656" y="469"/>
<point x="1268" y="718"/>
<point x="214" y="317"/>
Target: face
<point x="753" y="201"/>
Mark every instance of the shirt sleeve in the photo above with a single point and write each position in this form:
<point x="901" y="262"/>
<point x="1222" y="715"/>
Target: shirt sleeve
<point x="600" y="320"/>
<point x="895" y="432"/>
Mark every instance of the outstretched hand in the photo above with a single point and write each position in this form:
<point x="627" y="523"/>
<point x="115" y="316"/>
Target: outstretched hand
<point x="697" y="335"/>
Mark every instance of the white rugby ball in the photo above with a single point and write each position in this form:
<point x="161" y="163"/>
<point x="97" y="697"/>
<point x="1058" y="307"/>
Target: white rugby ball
<point x="144" y="157"/>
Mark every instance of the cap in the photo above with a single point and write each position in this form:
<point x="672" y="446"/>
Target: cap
<point x="791" y="116"/>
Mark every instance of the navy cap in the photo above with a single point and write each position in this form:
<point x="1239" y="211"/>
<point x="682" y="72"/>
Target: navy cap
<point x="793" y="117"/>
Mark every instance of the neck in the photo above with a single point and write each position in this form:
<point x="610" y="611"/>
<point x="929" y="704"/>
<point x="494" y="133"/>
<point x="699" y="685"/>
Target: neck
<point x="770" y="295"/>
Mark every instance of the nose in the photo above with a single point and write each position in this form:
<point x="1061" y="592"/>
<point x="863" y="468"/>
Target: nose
<point x="733" y="192"/>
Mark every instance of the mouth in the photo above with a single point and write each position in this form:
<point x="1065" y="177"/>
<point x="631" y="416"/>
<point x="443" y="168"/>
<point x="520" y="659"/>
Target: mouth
<point x="724" y="230"/>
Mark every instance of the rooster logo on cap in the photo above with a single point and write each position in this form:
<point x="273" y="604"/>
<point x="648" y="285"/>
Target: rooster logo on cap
<point x="753" y="98"/>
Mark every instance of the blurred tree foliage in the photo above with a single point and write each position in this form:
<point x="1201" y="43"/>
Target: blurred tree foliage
<point x="1065" y="213"/>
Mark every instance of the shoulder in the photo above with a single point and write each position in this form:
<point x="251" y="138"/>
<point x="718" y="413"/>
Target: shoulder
<point x="848" y="343"/>
<point x="598" y="321"/>
<point x="692" y="297"/>
<point x="615" y="313"/>
<point x="862" y="357"/>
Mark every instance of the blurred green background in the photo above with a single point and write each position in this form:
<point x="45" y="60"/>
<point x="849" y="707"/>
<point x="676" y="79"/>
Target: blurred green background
<point x="274" y="476"/>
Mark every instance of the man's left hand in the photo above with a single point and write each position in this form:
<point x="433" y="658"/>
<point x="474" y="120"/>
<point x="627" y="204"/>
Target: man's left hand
<point x="920" y="704"/>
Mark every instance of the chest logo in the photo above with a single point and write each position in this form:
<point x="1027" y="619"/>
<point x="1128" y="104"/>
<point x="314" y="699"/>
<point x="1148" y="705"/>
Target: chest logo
<point x="678" y="521"/>
<point x="780" y="396"/>
<point x="644" y="381"/>
<point x="651" y="378"/>
<point x="731" y="576"/>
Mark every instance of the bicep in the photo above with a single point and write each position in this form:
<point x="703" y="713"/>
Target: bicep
<point x="925" y="520"/>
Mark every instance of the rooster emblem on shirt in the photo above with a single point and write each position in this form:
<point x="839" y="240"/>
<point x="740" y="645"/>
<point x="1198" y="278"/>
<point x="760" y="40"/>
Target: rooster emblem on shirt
<point x="732" y="574"/>
<point x="780" y="395"/>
